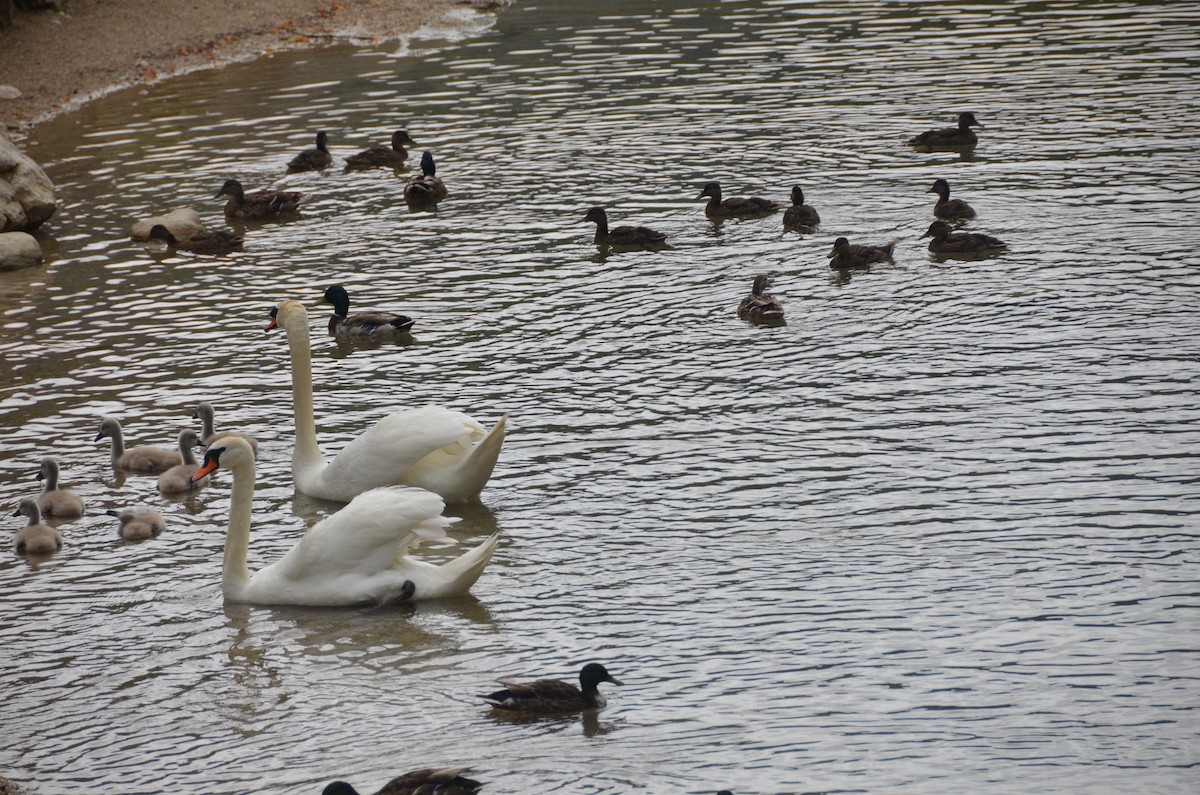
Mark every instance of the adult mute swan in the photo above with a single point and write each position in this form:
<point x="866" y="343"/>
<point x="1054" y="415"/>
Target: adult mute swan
<point x="432" y="448"/>
<point x="359" y="555"/>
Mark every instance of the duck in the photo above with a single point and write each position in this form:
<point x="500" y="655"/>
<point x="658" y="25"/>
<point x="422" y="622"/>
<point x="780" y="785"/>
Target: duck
<point x="758" y="307"/>
<point x="358" y="555"/>
<point x="138" y="524"/>
<point x="35" y="538"/>
<point x="800" y="215"/>
<point x="552" y="696"/>
<point x="390" y="156"/>
<point x="735" y="206"/>
<point x="944" y="241"/>
<point x="425" y="190"/>
<point x="145" y="459"/>
<point x="433" y="448"/>
<point x="370" y="323"/>
<point x="316" y="159"/>
<point x="260" y="205"/>
<point x="53" y="501"/>
<point x="178" y="479"/>
<point x="216" y="241"/>
<point x="632" y="236"/>
<point x="426" y="781"/>
<point x="208" y="433"/>
<point x="959" y="136"/>
<point x="947" y="208"/>
<point x="847" y="255"/>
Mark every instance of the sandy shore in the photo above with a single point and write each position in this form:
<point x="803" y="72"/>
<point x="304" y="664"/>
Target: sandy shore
<point x="59" y="60"/>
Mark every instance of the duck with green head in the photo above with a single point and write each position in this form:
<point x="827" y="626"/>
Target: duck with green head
<point x="371" y="323"/>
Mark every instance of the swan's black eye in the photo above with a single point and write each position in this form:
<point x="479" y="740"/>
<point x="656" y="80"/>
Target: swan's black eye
<point x="213" y="455"/>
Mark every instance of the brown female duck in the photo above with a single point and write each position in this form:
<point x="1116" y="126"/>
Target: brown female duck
<point x="944" y="241"/>
<point x="383" y="156"/>
<point x="734" y="206"/>
<point x="959" y="136"/>
<point x="947" y="208"/>
<point x="425" y="190"/>
<point x="261" y="205"/>
<point x="35" y="538"/>
<point x="631" y="236"/>
<point x="551" y="696"/>
<point x="759" y="307"/>
<point x="316" y="159"/>
<point x="848" y="255"/>
<point x="216" y="241"/>
<point x="361" y="324"/>
<point x="427" y="781"/>
<point x="800" y="215"/>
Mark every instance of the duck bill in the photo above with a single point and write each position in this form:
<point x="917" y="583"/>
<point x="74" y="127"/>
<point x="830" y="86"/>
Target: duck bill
<point x="615" y="680"/>
<point x="206" y="469"/>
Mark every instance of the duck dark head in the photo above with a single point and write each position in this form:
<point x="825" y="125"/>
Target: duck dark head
<point x="593" y="674"/>
<point x="231" y="188"/>
<point x="839" y="243"/>
<point x="597" y="214"/>
<point x="428" y="167"/>
<point x="938" y="230"/>
<point x="400" y="138"/>
<point x="322" y="140"/>
<point x="941" y="187"/>
<point x="712" y="189"/>
<point x="967" y="119"/>
<point x="161" y="233"/>
<point x="336" y="295"/>
<point x="797" y="195"/>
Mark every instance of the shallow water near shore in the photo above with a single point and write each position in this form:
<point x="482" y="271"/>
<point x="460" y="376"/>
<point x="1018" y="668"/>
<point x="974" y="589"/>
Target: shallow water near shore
<point x="937" y="533"/>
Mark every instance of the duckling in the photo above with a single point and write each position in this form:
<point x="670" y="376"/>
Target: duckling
<point x="144" y="459"/>
<point x="427" y="781"/>
<point x="947" y="242"/>
<point x="800" y="215"/>
<point x="390" y="156"/>
<point x="35" y="538"/>
<point x="959" y="136"/>
<point x="551" y="696"/>
<point x="370" y="323"/>
<point x="846" y="255"/>
<point x="53" y="501"/>
<point x="178" y="479"/>
<point x="138" y="524"/>
<point x="425" y="190"/>
<point x="257" y="206"/>
<point x="208" y="434"/>
<point x="217" y="241"/>
<point x="758" y="307"/>
<point x="316" y="159"/>
<point x="735" y="206"/>
<point x="947" y="208"/>
<point x="632" y="236"/>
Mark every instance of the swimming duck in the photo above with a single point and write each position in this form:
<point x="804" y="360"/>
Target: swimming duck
<point x="959" y="136"/>
<point x="178" y="479"/>
<point x="35" y="538"/>
<point x="800" y="215"/>
<point x="735" y="206"/>
<point x="208" y="432"/>
<point x="217" y="241"/>
<point x="257" y="206"/>
<point x="427" y="781"/>
<point x="370" y="323"/>
<point x="947" y="242"/>
<point x="633" y="236"/>
<point x="312" y="159"/>
<point x="138" y="524"/>
<point x="847" y="255"/>
<point x="425" y="190"/>
<point x="390" y="156"/>
<point x="552" y="696"/>
<point x="53" y="501"/>
<point x="758" y="307"/>
<point x="144" y="459"/>
<point x="947" y="208"/>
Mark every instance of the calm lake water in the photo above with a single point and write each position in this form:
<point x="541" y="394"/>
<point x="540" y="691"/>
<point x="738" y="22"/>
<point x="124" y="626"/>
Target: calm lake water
<point x="935" y="534"/>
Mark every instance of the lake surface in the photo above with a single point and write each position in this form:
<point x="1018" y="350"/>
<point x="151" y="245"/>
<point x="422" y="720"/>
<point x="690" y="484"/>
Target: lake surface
<point x="937" y="533"/>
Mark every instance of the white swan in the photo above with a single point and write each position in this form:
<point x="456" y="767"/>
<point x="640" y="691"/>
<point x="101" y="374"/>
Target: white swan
<point x="359" y="555"/>
<point x="432" y="448"/>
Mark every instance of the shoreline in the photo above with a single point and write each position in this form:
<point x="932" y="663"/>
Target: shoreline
<point x="60" y="60"/>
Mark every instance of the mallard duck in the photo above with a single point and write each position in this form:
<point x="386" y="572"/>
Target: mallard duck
<point x="257" y="206"/>
<point x="312" y="159"/>
<point x="425" y="190"/>
<point x="208" y="432"/>
<point x="847" y="255"/>
<point x="427" y="781"/>
<point x="217" y="241"/>
<point x="53" y="501"/>
<point x="35" y="538"/>
<point x="962" y="135"/>
<point x="178" y="479"/>
<point x="370" y="323"/>
<point x="947" y="208"/>
<point x="758" y="307"/>
<point x="144" y="459"/>
<point x="735" y="206"/>
<point x="800" y="215"/>
<point x="138" y="524"/>
<point x="946" y="241"/>
<point x="390" y="156"/>
<point x="633" y="236"/>
<point x="550" y="696"/>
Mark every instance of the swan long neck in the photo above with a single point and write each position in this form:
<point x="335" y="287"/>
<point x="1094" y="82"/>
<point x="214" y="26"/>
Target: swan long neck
<point x="118" y="444"/>
<point x="234" y="572"/>
<point x="307" y="450"/>
<point x="50" y="480"/>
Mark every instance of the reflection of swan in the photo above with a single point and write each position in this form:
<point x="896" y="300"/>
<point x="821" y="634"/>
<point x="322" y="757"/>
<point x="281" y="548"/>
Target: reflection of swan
<point x="432" y="448"/>
<point x="356" y="556"/>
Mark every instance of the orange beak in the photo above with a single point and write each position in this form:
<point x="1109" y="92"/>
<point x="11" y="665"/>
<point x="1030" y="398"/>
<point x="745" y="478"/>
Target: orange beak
<point x="210" y="464"/>
<point x="271" y="325"/>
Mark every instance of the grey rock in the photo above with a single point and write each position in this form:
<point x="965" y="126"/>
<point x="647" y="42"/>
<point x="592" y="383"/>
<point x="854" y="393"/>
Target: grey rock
<point x="183" y="223"/>
<point x="18" y="250"/>
<point x="26" y="193"/>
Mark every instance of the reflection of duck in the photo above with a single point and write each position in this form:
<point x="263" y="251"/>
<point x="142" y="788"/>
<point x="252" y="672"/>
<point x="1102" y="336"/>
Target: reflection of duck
<point x="138" y="524"/>
<point x="260" y="205"/>
<point x="314" y="159"/>
<point x="35" y="538"/>
<point x="208" y="432"/>
<point x="428" y="781"/>
<point x="389" y="156"/>
<point x="848" y="255"/>
<point x="216" y="241"/>
<point x="369" y="323"/>
<point x="945" y="241"/>
<point x="358" y="555"/>
<point x="427" y="189"/>
<point x="962" y="135"/>
<point x="145" y="459"/>
<point x="758" y="307"/>
<point x="734" y="206"/>
<point x="552" y="696"/>
<point x="947" y="208"/>
<point x="800" y="215"/>
<point x="53" y="501"/>
<point x="638" y="236"/>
